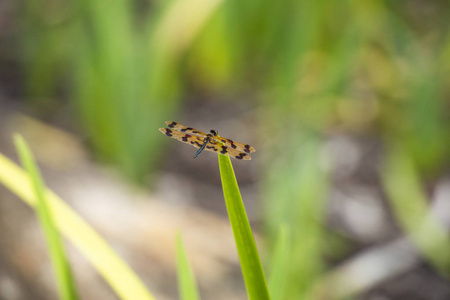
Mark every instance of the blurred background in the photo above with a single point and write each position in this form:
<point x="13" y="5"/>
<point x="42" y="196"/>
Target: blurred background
<point x="346" y="102"/>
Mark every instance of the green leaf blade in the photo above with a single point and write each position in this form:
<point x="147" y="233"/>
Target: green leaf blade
<point x="252" y="270"/>
<point x="280" y="264"/>
<point x="104" y="259"/>
<point x="187" y="286"/>
<point x="66" y="285"/>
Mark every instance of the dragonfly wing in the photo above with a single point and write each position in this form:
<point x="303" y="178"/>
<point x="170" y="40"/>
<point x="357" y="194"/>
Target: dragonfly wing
<point x="235" y="145"/>
<point x="196" y="141"/>
<point x="224" y="150"/>
<point x="184" y="129"/>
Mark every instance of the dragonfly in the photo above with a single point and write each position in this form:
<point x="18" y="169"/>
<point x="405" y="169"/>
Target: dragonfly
<point x="207" y="141"/>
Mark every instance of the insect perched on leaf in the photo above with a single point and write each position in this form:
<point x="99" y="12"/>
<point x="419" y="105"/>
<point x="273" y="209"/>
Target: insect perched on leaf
<point x="207" y="141"/>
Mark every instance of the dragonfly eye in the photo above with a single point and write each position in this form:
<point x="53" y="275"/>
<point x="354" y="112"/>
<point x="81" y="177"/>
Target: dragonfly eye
<point x="213" y="132"/>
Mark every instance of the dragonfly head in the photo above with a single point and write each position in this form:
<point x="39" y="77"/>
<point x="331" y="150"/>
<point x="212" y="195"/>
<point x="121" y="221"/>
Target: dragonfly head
<point x="213" y="132"/>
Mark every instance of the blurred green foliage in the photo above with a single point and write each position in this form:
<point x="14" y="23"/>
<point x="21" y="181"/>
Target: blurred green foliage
<point x="374" y="68"/>
<point x="361" y="65"/>
<point x="409" y="203"/>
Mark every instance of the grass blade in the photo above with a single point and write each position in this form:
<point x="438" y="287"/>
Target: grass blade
<point x="245" y="242"/>
<point x="280" y="264"/>
<point x="187" y="287"/>
<point x="66" y="285"/>
<point x="111" y="267"/>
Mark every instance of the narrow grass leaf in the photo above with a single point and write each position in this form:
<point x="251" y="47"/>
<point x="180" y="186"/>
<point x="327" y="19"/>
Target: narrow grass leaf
<point x="187" y="287"/>
<point x="245" y="242"/>
<point x="279" y="264"/>
<point x="66" y="285"/>
<point x="110" y="266"/>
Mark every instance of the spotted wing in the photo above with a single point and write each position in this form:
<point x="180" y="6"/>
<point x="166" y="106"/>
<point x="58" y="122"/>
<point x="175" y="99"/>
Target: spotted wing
<point x="184" y="129"/>
<point x="196" y="141"/>
<point x="235" y="145"/>
<point x="224" y="150"/>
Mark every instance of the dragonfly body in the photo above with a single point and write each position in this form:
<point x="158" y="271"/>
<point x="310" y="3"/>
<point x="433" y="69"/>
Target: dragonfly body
<point x="207" y="140"/>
